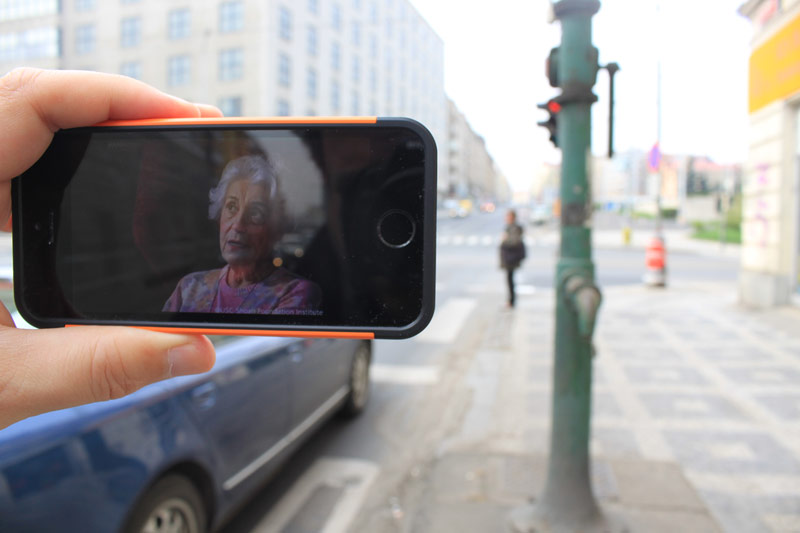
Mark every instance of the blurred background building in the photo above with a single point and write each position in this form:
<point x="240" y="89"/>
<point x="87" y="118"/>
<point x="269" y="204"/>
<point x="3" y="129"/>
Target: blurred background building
<point x="771" y="226"/>
<point x="257" y="58"/>
<point x="473" y="173"/>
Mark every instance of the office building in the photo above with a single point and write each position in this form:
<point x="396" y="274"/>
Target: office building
<point x="770" y="273"/>
<point x="249" y="57"/>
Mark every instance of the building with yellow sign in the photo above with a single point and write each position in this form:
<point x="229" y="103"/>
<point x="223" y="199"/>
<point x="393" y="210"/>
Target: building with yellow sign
<point x="770" y="272"/>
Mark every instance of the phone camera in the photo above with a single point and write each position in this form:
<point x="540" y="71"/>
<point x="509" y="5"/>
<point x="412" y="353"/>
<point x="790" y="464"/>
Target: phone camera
<point x="396" y="229"/>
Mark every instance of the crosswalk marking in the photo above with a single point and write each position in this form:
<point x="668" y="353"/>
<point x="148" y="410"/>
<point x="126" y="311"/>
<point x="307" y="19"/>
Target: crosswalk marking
<point x="404" y="374"/>
<point x="448" y="321"/>
<point x="483" y="240"/>
<point x="345" y="481"/>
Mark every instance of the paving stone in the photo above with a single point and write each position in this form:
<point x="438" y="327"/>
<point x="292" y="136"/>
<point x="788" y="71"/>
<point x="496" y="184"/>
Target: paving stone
<point x="614" y="442"/>
<point x="654" y="484"/>
<point x="681" y="406"/>
<point x="605" y="405"/>
<point x="760" y="375"/>
<point x="664" y="375"/>
<point x="732" y="452"/>
<point x="647" y="354"/>
<point x="734" y="354"/>
<point x="786" y="406"/>
<point x="654" y="521"/>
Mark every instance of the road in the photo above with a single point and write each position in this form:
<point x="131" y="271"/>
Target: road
<point x="353" y="476"/>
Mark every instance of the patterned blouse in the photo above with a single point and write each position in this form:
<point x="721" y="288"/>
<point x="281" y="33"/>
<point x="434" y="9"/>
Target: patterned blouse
<point x="280" y="293"/>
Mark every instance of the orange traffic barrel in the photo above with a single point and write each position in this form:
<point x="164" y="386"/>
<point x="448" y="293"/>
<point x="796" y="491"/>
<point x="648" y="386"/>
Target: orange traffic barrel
<point x="655" y="258"/>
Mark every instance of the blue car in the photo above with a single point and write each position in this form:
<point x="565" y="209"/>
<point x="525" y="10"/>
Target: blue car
<point x="179" y="455"/>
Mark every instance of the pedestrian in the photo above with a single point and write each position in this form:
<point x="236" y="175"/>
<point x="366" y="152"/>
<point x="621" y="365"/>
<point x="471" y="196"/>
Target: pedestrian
<point x="512" y="252"/>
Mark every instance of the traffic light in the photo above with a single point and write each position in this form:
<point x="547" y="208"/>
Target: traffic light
<point x="553" y="108"/>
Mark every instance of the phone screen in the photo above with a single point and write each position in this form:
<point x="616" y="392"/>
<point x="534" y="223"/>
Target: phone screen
<point x="312" y="226"/>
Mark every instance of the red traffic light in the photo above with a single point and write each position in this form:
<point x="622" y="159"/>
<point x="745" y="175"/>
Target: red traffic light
<point x="553" y="106"/>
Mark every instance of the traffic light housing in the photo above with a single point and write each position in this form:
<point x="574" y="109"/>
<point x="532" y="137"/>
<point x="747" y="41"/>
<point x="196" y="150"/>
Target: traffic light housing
<point x="553" y="108"/>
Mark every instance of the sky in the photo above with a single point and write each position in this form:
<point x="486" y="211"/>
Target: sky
<point x="495" y="73"/>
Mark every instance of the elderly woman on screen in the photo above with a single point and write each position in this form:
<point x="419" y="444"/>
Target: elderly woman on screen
<point x="249" y="208"/>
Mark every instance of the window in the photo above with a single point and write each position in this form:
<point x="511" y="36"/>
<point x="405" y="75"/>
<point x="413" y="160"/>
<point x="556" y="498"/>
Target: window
<point x="284" y="71"/>
<point x="283" y="108"/>
<point x="231" y="106"/>
<point x="130" y="1"/>
<point x="22" y="9"/>
<point x="356" y="34"/>
<point x="336" y="56"/>
<point x="132" y="69"/>
<point x="231" y="17"/>
<point x="356" y="4"/>
<point x="131" y="32"/>
<point x="84" y="39"/>
<point x="231" y="64"/>
<point x="285" y="24"/>
<point x="313" y="6"/>
<point x="336" y="17"/>
<point x="373" y="46"/>
<point x="179" y="70"/>
<point x="354" y="104"/>
<point x="356" y="69"/>
<point x="180" y="23"/>
<point x="84" y="5"/>
<point x="36" y="43"/>
<point x="373" y="13"/>
<point x="311" y="84"/>
<point x="373" y="80"/>
<point x="335" y="96"/>
<point x="312" y="41"/>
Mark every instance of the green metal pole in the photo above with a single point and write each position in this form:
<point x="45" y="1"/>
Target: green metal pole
<point x="568" y="494"/>
<point x="567" y="503"/>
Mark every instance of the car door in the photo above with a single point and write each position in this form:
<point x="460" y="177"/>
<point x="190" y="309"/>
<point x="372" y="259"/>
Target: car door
<point x="319" y="370"/>
<point x="244" y="407"/>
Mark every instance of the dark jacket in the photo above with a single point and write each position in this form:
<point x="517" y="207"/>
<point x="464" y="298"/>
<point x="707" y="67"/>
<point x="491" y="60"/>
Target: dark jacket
<point x="512" y="248"/>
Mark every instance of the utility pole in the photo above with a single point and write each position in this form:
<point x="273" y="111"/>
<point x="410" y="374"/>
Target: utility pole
<point x="567" y="503"/>
<point x="660" y="182"/>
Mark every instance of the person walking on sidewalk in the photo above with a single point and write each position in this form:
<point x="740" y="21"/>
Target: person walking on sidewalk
<point x="512" y="252"/>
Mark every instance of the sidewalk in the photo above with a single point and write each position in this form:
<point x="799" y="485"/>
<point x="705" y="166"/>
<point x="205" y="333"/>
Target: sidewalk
<point x="696" y="417"/>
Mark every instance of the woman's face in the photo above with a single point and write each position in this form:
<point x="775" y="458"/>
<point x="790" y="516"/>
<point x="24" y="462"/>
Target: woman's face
<point x="245" y="235"/>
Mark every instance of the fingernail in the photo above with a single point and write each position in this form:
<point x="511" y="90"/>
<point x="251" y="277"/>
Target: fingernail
<point x="186" y="359"/>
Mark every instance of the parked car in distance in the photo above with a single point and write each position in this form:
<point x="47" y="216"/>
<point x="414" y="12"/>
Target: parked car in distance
<point x="488" y="207"/>
<point x="541" y="214"/>
<point x="183" y="454"/>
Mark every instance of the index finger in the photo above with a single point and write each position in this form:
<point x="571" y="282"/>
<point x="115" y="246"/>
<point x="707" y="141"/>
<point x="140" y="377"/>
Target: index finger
<point x="36" y="103"/>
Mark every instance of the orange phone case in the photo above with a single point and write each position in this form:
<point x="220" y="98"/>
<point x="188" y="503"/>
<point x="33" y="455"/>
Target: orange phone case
<point x="159" y="122"/>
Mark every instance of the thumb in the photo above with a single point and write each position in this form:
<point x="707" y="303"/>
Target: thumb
<point x="53" y="369"/>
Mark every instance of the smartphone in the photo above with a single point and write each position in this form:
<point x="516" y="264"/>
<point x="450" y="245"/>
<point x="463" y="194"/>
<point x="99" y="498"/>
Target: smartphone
<point x="301" y="227"/>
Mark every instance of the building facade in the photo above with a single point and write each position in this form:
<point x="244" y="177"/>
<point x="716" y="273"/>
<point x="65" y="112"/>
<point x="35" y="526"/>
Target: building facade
<point x="770" y="273"/>
<point x="249" y="57"/>
<point x="472" y="172"/>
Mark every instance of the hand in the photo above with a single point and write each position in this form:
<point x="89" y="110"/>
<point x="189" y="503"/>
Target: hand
<point x="53" y="369"/>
